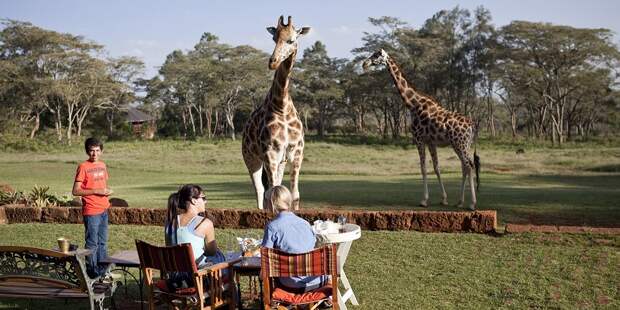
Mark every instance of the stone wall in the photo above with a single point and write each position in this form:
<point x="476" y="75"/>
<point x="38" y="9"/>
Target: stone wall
<point x="427" y="221"/>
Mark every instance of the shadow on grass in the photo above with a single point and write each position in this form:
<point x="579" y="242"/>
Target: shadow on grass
<point x="123" y="300"/>
<point x="605" y="168"/>
<point x="550" y="200"/>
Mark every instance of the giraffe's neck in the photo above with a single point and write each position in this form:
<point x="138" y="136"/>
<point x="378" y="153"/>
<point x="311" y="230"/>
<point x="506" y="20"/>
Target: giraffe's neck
<point x="411" y="97"/>
<point x="280" y="101"/>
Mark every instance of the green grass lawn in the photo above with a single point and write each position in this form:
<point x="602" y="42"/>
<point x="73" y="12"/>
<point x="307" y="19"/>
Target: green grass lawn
<point x="412" y="270"/>
<point x="576" y="185"/>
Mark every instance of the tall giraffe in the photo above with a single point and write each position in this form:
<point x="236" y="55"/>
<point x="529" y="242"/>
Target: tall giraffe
<point x="433" y="126"/>
<point x="274" y="133"/>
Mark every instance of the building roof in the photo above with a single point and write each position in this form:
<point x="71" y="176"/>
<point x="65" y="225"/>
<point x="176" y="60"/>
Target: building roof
<point x="136" y="116"/>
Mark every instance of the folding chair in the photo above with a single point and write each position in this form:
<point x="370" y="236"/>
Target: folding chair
<point x="180" y="258"/>
<point x="276" y="263"/>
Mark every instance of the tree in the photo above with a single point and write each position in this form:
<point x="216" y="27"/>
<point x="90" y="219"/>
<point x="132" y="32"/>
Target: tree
<point x="49" y="71"/>
<point x="554" y="57"/>
<point x="318" y="84"/>
<point x="125" y="72"/>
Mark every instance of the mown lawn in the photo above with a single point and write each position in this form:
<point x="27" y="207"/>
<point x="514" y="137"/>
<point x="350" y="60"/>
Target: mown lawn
<point x="578" y="184"/>
<point x="411" y="270"/>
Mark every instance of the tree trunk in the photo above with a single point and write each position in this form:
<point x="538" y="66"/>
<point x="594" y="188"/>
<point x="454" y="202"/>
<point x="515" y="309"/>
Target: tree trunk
<point x="491" y="117"/>
<point x="110" y="117"/>
<point x="209" y="115"/>
<point x="217" y="123"/>
<point x="35" y="128"/>
<point x="58" y="125"/>
<point x="69" y="127"/>
<point x="513" y="124"/>
<point x="200" y="125"/>
<point x="306" y="120"/>
<point x="191" y="120"/>
<point x="184" y="118"/>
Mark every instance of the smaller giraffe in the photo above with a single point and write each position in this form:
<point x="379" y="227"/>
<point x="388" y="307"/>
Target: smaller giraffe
<point x="433" y="126"/>
<point x="274" y="133"/>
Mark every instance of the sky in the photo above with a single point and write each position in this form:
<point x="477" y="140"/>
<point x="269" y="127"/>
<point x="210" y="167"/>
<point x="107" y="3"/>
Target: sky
<point x="152" y="29"/>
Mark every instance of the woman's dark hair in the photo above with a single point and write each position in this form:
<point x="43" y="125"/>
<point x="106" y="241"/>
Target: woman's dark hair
<point x="188" y="192"/>
<point x="171" y="218"/>
<point x="176" y="202"/>
<point x="179" y="200"/>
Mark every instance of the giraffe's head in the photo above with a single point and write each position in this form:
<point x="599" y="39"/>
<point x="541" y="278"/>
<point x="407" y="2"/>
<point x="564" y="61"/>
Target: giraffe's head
<point x="378" y="58"/>
<point x="285" y="37"/>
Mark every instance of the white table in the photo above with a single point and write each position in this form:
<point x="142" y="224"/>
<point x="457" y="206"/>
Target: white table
<point x="344" y="240"/>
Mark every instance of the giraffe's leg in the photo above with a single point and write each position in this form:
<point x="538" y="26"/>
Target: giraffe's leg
<point x="271" y="168"/>
<point x="463" y="178"/>
<point x="256" y="174"/>
<point x="467" y="166"/>
<point x="422" y="152"/>
<point x="280" y="173"/>
<point x="470" y="166"/>
<point x="433" y="150"/>
<point x="295" y="168"/>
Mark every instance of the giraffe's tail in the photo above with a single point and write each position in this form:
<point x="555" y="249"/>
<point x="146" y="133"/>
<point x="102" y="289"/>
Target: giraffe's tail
<point x="477" y="167"/>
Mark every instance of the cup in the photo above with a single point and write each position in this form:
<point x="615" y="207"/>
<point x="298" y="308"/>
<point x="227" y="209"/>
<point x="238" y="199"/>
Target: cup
<point x="63" y="245"/>
<point x="317" y="226"/>
<point x="342" y="220"/>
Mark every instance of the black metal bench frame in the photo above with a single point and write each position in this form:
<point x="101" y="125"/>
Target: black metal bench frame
<point x="27" y="272"/>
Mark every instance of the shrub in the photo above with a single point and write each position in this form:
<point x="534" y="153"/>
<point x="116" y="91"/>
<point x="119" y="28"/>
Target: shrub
<point x="39" y="197"/>
<point x="11" y="197"/>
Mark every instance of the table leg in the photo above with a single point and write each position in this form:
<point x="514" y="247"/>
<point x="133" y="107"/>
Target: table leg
<point x="140" y="287"/>
<point x="125" y="271"/>
<point x="343" y="253"/>
<point x="237" y="279"/>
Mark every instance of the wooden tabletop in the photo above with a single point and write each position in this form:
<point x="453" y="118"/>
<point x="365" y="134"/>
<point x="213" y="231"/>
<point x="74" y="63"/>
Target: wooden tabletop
<point x="248" y="264"/>
<point x="127" y="258"/>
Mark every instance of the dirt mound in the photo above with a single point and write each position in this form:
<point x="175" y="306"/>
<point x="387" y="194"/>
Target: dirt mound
<point x="428" y="221"/>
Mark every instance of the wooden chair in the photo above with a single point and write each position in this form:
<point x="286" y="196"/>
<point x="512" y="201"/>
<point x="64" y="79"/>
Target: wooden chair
<point x="180" y="258"/>
<point x="276" y="263"/>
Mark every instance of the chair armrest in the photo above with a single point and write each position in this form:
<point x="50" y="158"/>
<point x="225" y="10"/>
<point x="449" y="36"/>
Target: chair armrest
<point x="216" y="267"/>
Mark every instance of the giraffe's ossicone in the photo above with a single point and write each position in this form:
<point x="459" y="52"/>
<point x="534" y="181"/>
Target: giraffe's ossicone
<point x="274" y="133"/>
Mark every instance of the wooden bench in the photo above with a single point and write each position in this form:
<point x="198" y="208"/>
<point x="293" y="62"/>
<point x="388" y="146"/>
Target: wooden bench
<point x="27" y="272"/>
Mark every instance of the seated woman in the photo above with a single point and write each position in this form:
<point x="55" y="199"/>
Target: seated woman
<point x="184" y="225"/>
<point x="292" y="234"/>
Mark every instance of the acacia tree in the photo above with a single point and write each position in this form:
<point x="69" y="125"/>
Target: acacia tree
<point x="355" y="103"/>
<point x="385" y="103"/>
<point x="50" y="71"/>
<point x="553" y="57"/>
<point x="124" y="72"/>
<point x="212" y="81"/>
<point x="242" y="77"/>
<point x="318" y="85"/>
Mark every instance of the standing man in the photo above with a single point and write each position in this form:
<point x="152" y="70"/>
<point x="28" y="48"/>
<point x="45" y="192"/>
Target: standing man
<point x="91" y="183"/>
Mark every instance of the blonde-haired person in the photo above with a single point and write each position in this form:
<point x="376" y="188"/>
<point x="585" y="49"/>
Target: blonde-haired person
<point x="289" y="233"/>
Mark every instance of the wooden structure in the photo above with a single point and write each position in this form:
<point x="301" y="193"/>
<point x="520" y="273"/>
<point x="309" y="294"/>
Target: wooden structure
<point x="27" y="272"/>
<point x="208" y="289"/>
<point x="142" y="124"/>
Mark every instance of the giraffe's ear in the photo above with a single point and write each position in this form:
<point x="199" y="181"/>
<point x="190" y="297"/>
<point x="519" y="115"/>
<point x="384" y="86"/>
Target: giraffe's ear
<point x="303" y="30"/>
<point x="272" y="30"/>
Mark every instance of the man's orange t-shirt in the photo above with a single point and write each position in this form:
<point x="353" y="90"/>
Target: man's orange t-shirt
<point x="93" y="175"/>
